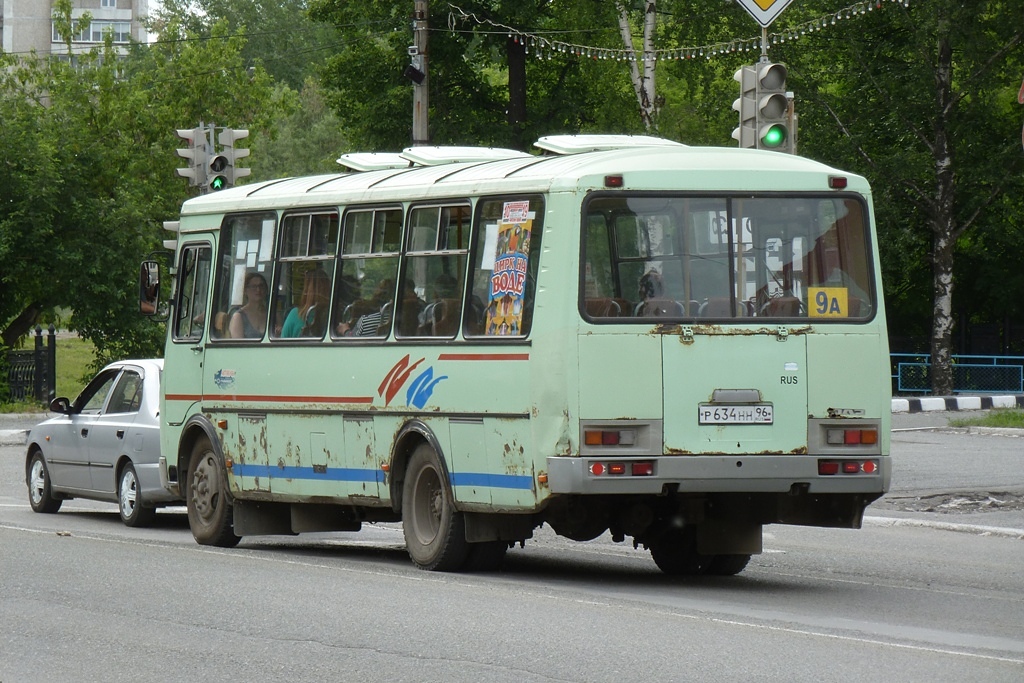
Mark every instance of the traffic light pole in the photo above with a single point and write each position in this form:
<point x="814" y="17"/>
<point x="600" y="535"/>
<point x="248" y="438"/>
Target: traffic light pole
<point x="208" y="169"/>
<point x="420" y="89"/>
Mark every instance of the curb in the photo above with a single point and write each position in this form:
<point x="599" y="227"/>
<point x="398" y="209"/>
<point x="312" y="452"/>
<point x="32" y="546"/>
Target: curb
<point x="920" y="405"/>
<point x="13" y="437"/>
<point x="1002" y="532"/>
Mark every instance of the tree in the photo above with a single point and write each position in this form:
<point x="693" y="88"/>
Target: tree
<point x="86" y="178"/>
<point x="279" y="35"/>
<point x="920" y="96"/>
<point x="487" y="87"/>
<point x="307" y="138"/>
<point x="642" y="64"/>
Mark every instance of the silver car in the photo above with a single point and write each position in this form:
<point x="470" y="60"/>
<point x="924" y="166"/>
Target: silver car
<point x="104" y="446"/>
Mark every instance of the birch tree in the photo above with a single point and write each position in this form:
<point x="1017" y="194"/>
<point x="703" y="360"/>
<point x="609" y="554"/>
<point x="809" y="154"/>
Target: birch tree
<point x="641" y="65"/>
<point x="922" y="97"/>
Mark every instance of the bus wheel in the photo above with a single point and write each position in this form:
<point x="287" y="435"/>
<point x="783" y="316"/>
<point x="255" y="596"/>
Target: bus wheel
<point x="435" y="533"/>
<point x="727" y="565"/>
<point x="675" y="553"/>
<point x="487" y="556"/>
<point x="206" y="497"/>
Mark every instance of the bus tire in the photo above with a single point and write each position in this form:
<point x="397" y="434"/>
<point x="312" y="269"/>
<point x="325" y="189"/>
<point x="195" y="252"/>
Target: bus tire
<point x="210" y="514"/>
<point x="675" y="553"/>
<point x="487" y="556"/>
<point x="435" y="532"/>
<point x="727" y="565"/>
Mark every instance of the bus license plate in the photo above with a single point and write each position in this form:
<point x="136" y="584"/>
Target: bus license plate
<point x="711" y="414"/>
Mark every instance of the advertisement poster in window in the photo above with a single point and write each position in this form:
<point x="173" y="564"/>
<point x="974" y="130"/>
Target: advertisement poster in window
<point x="508" y="277"/>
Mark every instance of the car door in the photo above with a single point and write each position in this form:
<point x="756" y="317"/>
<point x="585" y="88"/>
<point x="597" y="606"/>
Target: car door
<point x="68" y="449"/>
<point x="107" y="436"/>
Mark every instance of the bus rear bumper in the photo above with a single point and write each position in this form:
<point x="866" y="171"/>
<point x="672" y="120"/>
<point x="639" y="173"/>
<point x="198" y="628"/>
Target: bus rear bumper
<point x="719" y="474"/>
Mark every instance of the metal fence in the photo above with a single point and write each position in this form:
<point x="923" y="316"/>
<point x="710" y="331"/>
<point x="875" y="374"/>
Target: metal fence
<point x="32" y="374"/>
<point x="911" y="374"/>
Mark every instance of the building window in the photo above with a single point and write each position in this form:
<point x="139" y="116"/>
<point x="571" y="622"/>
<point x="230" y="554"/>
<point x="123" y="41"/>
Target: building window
<point x="121" y="32"/>
<point x="111" y="4"/>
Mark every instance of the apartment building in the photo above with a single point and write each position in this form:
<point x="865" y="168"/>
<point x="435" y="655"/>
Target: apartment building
<point x="28" y="25"/>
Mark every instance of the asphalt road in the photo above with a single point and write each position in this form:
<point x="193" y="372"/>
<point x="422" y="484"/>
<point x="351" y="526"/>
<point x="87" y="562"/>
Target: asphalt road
<point x="913" y="596"/>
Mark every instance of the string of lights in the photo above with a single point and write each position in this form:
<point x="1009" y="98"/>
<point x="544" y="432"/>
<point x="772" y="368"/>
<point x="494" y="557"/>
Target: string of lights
<point x="543" y="47"/>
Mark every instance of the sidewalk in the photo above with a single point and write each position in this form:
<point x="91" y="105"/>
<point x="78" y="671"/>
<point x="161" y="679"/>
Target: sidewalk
<point x="917" y="405"/>
<point x="14" y="427"/>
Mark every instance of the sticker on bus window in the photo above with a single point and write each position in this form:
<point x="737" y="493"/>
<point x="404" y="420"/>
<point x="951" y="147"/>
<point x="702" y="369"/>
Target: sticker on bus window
<point x="508" y="274"/>
<point x="828" y="302"/>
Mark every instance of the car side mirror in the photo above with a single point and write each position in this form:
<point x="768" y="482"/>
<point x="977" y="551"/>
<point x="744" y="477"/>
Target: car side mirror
<point x="61" y="405"/>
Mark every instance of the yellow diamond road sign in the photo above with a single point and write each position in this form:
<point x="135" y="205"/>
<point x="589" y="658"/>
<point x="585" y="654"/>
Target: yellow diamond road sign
<point x="764" y="11"/>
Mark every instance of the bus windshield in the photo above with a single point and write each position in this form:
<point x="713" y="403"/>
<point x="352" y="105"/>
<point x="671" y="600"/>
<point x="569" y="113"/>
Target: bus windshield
<point x="697" y="257"/>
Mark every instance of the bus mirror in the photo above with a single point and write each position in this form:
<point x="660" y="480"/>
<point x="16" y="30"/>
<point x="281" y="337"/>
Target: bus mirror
<point x="149" y="288"/>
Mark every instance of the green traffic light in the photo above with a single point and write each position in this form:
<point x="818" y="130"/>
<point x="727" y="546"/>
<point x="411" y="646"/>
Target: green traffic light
<point x="218" y="182"/>
<point x="774" y="136"/>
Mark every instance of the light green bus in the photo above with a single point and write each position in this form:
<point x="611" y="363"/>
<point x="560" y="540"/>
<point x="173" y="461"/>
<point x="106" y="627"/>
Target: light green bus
<point x="618" y="335"/>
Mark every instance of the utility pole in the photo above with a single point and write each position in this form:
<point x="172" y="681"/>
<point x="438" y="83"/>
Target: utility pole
<point x="421" y="88"/>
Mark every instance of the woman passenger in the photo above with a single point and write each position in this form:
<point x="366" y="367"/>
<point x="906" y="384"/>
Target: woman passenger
<point x="250" y="321"/>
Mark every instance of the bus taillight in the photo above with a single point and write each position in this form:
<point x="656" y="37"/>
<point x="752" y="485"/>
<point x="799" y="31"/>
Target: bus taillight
<point x="834" y="467"/>
<point x="609" y="437"/>
<point x="851" y="437"/>
<point x="637" y="468"/>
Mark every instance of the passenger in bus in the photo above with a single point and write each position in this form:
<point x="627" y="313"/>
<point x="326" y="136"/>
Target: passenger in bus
<point x="250" y="321"/>
<point x="410" y="311"/>
<point x="440" y="315"/>
<point x="309" y="318"/>
<point x="653" y="303"/>
<point x="368" y="323"/>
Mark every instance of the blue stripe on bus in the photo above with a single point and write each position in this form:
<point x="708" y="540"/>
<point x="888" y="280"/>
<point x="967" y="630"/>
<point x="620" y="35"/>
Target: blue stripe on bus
<point x="494" y="481"/>
<point x="497" y="481"/>
<point x="328" y="474"/>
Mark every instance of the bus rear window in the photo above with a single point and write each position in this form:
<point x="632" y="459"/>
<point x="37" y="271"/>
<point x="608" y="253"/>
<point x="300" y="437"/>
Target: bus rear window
<point x="687" y="257"/>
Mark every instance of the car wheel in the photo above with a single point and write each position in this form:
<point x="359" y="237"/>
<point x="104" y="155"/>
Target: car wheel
<point x="210" y="513"/>
<point x="40" y="496"/>
<point x="435" y="533"/>
<point x="133" y="512"/>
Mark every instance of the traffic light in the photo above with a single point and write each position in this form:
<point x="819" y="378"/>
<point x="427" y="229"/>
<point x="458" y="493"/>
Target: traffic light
<point x="772" y="107"/>
<point x="196" y="155"/>
<point x="223" y="171"/>
<point x="746" y="105"/>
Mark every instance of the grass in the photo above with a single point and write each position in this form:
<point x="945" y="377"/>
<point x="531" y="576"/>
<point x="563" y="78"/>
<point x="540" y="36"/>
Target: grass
<point x="74" y="358"/>
<point x="997" y="417"/>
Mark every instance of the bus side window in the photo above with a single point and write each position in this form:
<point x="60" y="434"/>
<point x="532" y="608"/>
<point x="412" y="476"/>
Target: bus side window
<point x="302" y="297"/>
<point x="246" y="246"/>
<point x="506" y="257"/>
<point x="367" y="273"/>
<point x="436" y="259"/>
<point x="190" y="310"/>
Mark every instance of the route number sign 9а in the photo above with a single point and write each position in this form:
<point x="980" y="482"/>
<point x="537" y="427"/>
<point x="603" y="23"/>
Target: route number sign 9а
<point x="764" y="11"/>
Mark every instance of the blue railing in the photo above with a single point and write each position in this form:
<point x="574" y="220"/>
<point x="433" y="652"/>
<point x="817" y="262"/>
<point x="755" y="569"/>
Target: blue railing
<point x="911" y="374"/>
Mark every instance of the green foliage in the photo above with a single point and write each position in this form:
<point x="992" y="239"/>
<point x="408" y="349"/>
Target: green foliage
<point x="306" y="139"/>
<point x="1012" y="418"/>
<point x="87" y="178"/>
<point x="872" y="100"/>
<point x="278" y="34"/>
